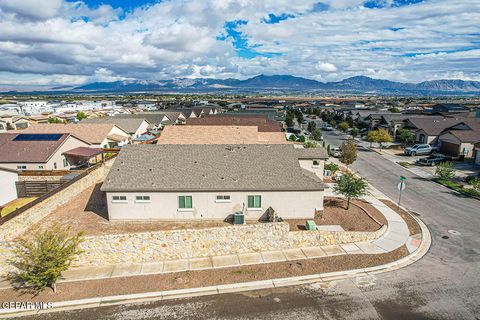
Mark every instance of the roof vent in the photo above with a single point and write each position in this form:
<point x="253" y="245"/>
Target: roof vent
<point x="229" y="148"/>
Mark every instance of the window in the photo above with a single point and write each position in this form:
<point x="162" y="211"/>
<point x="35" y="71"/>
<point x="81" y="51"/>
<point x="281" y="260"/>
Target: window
<point x="54" y="165"/>
<point x="142" y="199"/>
<point x="254" y="202"/>
<point x="121" y="199"/>
<point x="65" y="162"/>
<point x="185" y="202"/>
<point x="40" y="167"/>
<point x="222" y="198"/>
<point x="316" y="163"/>
<point x="21" y="167"/>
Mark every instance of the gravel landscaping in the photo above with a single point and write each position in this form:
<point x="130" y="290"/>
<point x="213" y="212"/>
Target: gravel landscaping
<point x="354" y="219"/>
<point x="412" y="224"/>
<point x="193" y="279"/>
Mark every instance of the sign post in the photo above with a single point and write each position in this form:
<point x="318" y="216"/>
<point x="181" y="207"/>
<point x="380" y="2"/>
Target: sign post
<point x="401" y="186"/>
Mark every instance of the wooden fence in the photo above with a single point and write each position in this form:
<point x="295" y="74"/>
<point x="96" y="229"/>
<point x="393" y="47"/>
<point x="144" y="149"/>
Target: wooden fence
<point x="26" y="189"/>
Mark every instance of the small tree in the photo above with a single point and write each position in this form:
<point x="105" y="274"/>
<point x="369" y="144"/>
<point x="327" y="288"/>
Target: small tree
<point x="405" y="136"/>
<point x="311" y="126"/>
<point x="81" y="115"/>
<point x="292" y="137"/>
<point x="332" y="167"/>
<point x="316" y="135"/>
<point x="343" y="126"/>
<point x="299" y="116"/>
<point x="55" y="120"/>
<point x="328" y="150"/>
<point x="310" y="144"/>
<point x="289" y="120"/>
<point x="355" y="132"/>
<point x="445" y="170"/>
<point x="350" y="187"/>
<point x="41" y="261"/>
<point x="333" y="123"/>
<point x="349" y="152"/>
<point x="302" y="138"/>
<point x="395" y="110"/>
<point x="380" y="136"/>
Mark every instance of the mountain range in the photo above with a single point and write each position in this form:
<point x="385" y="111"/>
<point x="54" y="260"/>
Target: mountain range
<point x="283" y="83"/>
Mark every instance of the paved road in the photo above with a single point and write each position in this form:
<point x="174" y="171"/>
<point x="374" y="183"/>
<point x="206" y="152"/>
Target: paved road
<point x="445" y="284"/>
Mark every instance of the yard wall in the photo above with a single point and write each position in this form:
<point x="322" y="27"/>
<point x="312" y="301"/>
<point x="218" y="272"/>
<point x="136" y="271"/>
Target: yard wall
<point x="12" y="228"/>
<point x="190" y="243"/>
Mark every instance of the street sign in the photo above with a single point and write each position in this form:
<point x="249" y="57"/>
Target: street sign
<point x="401" y="186"/>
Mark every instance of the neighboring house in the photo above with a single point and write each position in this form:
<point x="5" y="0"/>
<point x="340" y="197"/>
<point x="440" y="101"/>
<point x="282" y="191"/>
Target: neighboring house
<point x="8" y="177"/>
<point x="3" y="125"/>
<point x="261" y="121"/>
<point x="26" y="151"/>
<point x="459" y="139"/>
<point x="183" y="182"/>
<point x="219" y="135"/>
<point x="134" y="126"/>
<point x="443" y="108"/>
<point x="157" y="120"/>
<point x="477" y="153"/>
<point x="98" y="135"/>
<point x="427" y="129"/>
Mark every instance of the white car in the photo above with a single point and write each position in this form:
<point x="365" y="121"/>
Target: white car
<point x="335" y="152"/>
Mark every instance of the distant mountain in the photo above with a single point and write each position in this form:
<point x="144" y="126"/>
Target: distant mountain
<point x="286" y="83"/>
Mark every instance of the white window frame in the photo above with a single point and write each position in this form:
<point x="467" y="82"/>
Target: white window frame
<point x="184" y="209"/>
<point x="254" y="208"/>
<point x="221" y="198"/>
<point x="22" y="167"/>
<point x="143" y="199"/>
<point x="315" y="165"/>
<point x="119" y="200"/>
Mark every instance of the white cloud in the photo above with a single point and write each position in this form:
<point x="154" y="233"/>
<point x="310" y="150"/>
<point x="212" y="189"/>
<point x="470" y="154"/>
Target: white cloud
<point x="60" y="41"/>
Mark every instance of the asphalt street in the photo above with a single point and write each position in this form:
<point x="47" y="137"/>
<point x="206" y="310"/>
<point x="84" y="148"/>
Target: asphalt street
<point x="445" y="284"/>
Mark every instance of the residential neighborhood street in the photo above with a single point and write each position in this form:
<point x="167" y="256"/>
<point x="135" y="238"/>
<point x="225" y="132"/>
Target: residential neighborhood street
<point x="443" y="285"/>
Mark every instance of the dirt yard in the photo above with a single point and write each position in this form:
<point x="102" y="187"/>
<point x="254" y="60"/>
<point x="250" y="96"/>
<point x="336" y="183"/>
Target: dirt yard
<point x="354" y="219"/>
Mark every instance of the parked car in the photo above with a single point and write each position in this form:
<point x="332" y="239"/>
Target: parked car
<point x="418" y="149"/>
<point x="434" y="159"/>
<point x="293" y="130"/>
<point x="327" y="127"/>
<point x="335" y="152"/>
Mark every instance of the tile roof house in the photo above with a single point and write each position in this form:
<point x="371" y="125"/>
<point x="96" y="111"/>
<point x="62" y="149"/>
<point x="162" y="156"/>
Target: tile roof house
<point x="25" y="151"/>
<point x="261" y="121"/>
<point x="133" y="126"/>
<point x="178" y="182"/>
<point x="219" y="135"/>
<point x="98" y="135"/>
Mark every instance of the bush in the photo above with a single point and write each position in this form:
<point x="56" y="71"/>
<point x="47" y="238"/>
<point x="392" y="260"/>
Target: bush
<point x="302" y="138"/>
<point x="350" y="187"/>
<point x="445" y="170"/>
<point x="343" y="126"/>
<point x="332" y="167"/>
<point x="292" y="138"/>
<point x="41" y="261"/>
<point x="310" y="144"/>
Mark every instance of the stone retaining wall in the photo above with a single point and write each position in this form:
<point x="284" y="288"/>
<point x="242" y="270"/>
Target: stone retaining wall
<point x="180" y="244"/>
<point x="18" y="225"/>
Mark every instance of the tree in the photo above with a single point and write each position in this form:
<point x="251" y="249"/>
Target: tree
<point x="349" y="152"/>
<point x="332" y="167"/>
<point x="41" y="260"/>
<point x="328" y="150"/>
<point x="343" y="126"/>
<point x="311" y="126"/>
<point x="445" y="170"/>
<point x="55" y="120"/>
<point x="405" y="136"/>
<point x="292" y="137"/>
<point x="299" y="118"/>
<point x="379" y="136"/>
<point x="289" y="121"/>
<point x="310" y="144"/>
<point x="355" y="132"/>
<point x="302" y="138"/>
<point x="316" y="135"/>
<point x="333" y="123"/>
<point x="394" y="110"/>
<point x="350" y="187"/>
<point x="81" y="115"/>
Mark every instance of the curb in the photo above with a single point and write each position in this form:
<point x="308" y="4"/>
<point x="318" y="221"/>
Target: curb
<point x="230" y="288"/>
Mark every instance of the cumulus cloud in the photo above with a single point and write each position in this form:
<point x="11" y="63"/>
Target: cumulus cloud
<point x="60" y="41"/>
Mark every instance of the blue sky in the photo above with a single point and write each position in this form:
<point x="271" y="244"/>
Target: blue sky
<point x="72" y="42"/>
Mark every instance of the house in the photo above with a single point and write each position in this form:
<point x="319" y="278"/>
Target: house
<point x="477" y="154"/>
<point x="261" y="121"/>
<point x="157" y="120"/>
<point x="26" y="151"/>
<point x="219" y="135"/>
<point x="185" y="182"/>
<point x="459" y="139"/>
<point x="449" y="108"/>
<point x="98" y="135"/>
<point x="8" y="177"/>
<point x="427" y="129"/>
<point x="133" y="126"/>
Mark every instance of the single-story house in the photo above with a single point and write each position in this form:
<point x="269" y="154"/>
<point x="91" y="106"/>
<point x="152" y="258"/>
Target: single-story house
<point x="8" y="177"/>
<point x="37" y="151"/>
<point x="134" y="126"/>
<point x="261" y="121"/>
<point x="98" y="135"/>
<point x="185" y="182"/>
<point x="219" y="135"/>
<point x="427" y="129"/>
<point x="459" y="139"/>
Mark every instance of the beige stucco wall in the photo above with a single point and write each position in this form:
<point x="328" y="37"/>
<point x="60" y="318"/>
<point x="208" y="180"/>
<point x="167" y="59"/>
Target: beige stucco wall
<point x="308" y="165"/>
<point x="164" y="206"/>
<point x="8" y="191"/>
<point x="141" y="130"/>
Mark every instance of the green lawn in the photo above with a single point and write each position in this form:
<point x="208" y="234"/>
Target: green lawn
<point x="15" y="204"/>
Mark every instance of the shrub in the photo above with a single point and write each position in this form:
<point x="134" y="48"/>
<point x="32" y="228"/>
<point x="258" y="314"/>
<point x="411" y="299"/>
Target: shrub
<point x="332" y="167"/>
<point x="310" y="144"/>
<point x="350" y="187"/>
<point x="445" y="170"/>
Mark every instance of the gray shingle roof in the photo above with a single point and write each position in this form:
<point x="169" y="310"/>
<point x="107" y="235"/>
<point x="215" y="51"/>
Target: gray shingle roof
<point x="209" y="168"/>
<point x="129" y="125"/>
